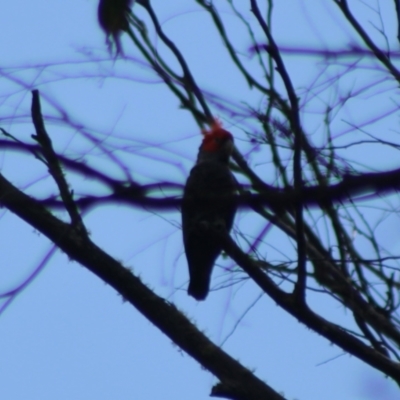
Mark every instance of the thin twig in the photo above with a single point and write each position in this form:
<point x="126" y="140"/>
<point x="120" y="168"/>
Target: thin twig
<point x="53" y="164"/>
<point x="190" y="83"/>
<point x="379" y="54"/>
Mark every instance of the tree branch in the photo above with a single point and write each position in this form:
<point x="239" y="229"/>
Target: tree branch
<point x="46" y="146"/>
<point x="304" y="314"/>
<point x="161" y="313"/>
<point x="379" y="54"/>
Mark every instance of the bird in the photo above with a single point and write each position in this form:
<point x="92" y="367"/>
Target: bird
<point x="208" y="203"/>
<point x="113" y="17"/>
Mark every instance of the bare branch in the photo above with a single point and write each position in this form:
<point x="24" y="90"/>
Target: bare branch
<point x="161" y="313"/>
<point x="379" y="54"/>
<point x="53" y="164"/>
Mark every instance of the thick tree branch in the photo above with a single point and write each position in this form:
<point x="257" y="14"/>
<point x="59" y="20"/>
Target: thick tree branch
<point x="244" y="385"/>
<point x="371" y="184"/>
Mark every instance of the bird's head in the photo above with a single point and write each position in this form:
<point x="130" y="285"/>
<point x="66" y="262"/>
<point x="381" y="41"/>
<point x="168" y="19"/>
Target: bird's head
<point x="217" y="144"/>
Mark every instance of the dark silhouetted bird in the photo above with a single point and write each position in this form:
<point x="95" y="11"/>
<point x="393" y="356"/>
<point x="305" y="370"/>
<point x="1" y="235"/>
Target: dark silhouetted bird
<point x="208" y="203"/>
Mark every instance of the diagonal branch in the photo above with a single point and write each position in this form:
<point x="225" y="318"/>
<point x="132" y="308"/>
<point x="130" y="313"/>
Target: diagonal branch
<point x="304" y="314"/>
<point x="188" y="79"/>
<point x="379" y="54"/>
<point x="242" y="384"/>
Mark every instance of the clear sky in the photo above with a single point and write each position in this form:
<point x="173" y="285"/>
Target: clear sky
<point x="70" y="336"/>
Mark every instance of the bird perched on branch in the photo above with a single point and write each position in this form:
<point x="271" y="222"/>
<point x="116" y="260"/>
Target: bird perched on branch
<point x="113" y="17"/>
<point x="208" y="204"/>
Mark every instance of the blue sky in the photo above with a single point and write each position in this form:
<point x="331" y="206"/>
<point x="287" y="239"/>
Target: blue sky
<point x="70" y="336"/>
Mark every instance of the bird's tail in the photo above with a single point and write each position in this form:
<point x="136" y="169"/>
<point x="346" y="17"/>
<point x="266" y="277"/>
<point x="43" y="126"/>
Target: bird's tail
<point x="199" y="286"/>
<point x="201" y="253"/>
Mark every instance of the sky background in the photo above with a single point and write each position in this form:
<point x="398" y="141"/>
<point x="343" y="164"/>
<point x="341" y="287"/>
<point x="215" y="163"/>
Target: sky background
<point x="70" y="336"/>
